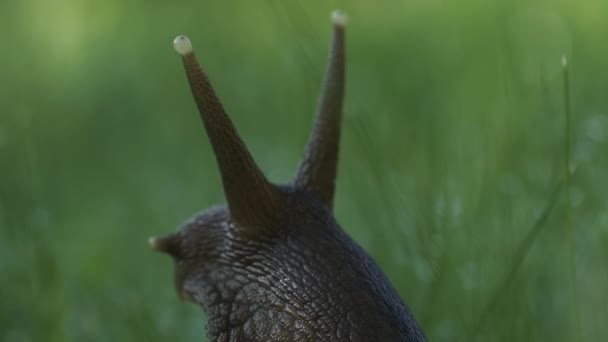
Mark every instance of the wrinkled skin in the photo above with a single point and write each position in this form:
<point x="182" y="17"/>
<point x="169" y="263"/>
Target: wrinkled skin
<point x="306" y="280"/>
<point x="274" y="265"/>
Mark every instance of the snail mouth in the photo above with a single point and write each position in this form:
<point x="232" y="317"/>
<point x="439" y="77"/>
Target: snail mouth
<point x="184" y="289"/>
<point x="170" y="244"/>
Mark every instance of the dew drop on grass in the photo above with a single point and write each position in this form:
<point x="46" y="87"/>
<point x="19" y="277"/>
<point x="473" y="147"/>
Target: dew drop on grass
<point x="538" y="38"/>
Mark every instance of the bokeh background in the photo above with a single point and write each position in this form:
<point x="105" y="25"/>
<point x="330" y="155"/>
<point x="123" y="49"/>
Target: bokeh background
<point x="452" y="173"/>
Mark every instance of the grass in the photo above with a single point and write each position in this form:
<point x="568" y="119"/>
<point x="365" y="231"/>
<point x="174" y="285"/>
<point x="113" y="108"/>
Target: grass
<point x="453" y="172"/>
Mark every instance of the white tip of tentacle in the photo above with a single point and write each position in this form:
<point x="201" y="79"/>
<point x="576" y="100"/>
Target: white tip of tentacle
<point x="182" y="45"/>
<point x="338" y="17"/>
<point x="153" y="242"/>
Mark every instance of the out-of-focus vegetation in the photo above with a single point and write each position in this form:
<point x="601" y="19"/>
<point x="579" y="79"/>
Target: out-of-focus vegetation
<point x="454" y="145"/>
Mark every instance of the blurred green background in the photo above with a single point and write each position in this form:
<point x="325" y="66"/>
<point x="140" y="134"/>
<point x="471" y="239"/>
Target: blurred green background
<point x="453" y="152"/>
